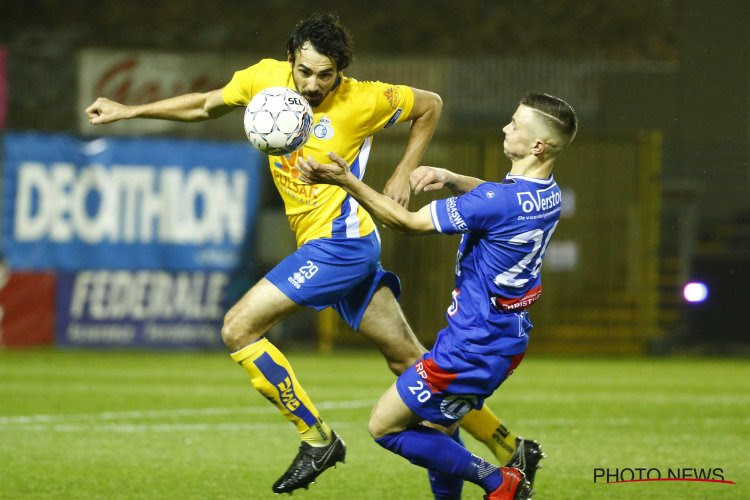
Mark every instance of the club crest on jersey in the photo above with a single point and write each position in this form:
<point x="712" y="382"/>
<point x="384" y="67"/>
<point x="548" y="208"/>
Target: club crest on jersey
<point x="540" y="200"/>
<point x="323" y="130"/>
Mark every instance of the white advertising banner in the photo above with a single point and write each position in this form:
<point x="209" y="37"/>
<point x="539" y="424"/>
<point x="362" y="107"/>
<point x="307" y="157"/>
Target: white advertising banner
<point x="138" y="77"/>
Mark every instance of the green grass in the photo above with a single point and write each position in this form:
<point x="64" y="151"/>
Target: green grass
<point x="77" y="425"/>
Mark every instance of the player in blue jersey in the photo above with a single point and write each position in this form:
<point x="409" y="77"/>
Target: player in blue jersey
<point x="506" y="227"/>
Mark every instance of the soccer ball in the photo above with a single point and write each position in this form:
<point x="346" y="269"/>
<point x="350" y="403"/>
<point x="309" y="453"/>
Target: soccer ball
<point x="278" y="121"/>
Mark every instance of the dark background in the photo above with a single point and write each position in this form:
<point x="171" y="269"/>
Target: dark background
<point x="689" y="79"/>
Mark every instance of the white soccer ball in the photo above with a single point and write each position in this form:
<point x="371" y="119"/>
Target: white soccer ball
<point x="278" y="121"/>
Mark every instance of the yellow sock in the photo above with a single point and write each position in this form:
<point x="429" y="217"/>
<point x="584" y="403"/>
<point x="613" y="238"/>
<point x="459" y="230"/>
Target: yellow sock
<point x="318" y="435"/>
<point x="487" y="428"/>
<point x="272" y="375"/>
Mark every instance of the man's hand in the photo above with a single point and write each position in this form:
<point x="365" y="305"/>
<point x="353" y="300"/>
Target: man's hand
<point x="105" y="111"/>
<point x="312" y="172"/>
<point x="397" y="189"/>
<point x="427" y="179"/>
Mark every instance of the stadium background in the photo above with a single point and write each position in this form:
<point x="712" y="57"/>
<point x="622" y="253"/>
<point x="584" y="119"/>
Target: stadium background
<point x="656" y="183"/>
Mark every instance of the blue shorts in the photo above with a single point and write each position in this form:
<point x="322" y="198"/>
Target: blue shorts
<point x="342" y="273"/>
<point x="447" y="382"/>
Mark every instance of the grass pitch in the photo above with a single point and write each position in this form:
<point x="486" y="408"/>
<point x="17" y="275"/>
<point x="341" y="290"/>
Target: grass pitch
<point x="79" y="425"/>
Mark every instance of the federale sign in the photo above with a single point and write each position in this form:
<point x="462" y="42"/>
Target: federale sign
<point x="145" y="308"/>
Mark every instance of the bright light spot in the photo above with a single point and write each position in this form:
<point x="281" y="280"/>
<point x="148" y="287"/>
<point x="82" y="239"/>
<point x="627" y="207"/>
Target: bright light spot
<point x="695" y="292"/>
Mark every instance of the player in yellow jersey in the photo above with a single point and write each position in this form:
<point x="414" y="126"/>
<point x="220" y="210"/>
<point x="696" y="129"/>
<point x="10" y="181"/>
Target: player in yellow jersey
<point x="337" y="260"/>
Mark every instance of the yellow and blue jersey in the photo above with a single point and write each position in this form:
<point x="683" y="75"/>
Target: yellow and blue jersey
<point x="344" y="123"/>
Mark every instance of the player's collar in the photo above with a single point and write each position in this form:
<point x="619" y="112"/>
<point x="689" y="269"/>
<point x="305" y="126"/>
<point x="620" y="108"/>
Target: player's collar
<point x="547" y="181"/>
<point x="337" y="83"/>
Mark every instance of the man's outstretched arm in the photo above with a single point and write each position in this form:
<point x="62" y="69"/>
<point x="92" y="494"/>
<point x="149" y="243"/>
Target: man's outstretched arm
<point x="184" y="108"/>
<point x="432" y="178"/>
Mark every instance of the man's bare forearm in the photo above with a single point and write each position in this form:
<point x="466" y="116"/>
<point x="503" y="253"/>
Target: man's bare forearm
<point x="422" y="129"/>
<point x="459" y="184"/>
<point x="186" y="108"/>
<point x="388" y="212"/>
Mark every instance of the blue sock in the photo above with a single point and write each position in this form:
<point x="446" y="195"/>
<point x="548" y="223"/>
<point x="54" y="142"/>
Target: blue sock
<point x="445" y="487"/>
<point x="434" y="450"/>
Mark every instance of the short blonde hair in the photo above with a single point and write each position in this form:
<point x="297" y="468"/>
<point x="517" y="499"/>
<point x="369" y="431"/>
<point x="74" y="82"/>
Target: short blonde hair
<point x="555" y="113"/>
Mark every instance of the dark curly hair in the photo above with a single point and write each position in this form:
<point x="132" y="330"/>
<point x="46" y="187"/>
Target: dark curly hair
<point x="327" y="36"/>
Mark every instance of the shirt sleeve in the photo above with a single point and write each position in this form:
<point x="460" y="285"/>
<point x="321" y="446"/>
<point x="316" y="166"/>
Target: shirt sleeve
<point x="475" y="211"/>
<point x="392" y="104"/>
<point x="239" y="90"/>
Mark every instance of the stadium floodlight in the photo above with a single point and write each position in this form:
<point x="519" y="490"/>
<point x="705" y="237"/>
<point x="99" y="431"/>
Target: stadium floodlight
<point x="695" y="292"/>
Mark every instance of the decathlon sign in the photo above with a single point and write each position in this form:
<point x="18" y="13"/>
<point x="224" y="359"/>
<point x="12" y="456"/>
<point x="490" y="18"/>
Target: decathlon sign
<point x="126" y="203"/>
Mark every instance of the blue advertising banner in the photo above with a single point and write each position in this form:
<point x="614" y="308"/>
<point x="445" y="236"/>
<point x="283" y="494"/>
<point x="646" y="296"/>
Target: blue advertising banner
<point x="150" y="309"/>
<point x="142" y="237"/>
<point x="3" y="85"/>
<point x="119" y="203"/>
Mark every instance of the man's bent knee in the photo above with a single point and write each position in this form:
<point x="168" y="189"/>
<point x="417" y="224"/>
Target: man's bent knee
<point x="377" y="430"/>
<point x="254" y="314"/>
<point x="390" y="415"/>
<point x="235" y="335"/>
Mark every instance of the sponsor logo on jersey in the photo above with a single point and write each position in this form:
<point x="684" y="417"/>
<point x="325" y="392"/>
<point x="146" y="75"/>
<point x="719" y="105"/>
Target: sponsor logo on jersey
<point x="287" y="163"/>
<point x="393" y="95"/>
<point x="451" y="206"/>
<point x="518" y="303"/>
<point x="285" y="176"/>
<point x="455" y="407"/>
<point x="542" y="200"/>
<point x="295" y="189"/>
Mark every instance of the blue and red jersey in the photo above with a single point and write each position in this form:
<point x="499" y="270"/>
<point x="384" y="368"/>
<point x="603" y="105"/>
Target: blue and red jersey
<point x="506" y="227"/>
